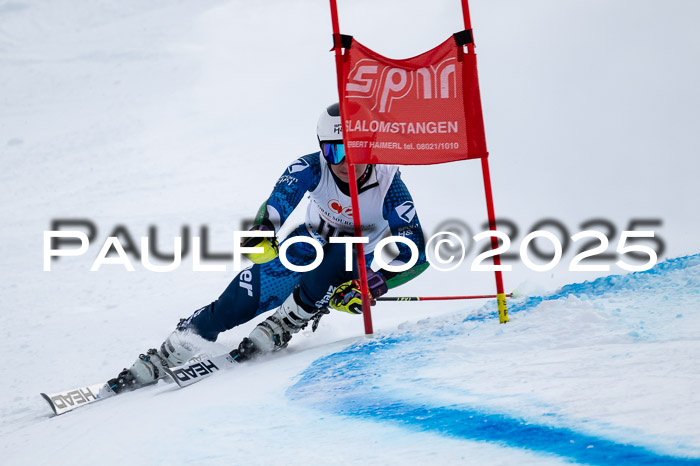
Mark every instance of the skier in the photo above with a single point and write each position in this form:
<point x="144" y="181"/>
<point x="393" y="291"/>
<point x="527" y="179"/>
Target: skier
<point x="385" y="204"/>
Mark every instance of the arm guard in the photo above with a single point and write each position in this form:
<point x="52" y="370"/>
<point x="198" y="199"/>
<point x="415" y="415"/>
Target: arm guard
<point x="400" y="212"/>
<point x="301" y="176"/>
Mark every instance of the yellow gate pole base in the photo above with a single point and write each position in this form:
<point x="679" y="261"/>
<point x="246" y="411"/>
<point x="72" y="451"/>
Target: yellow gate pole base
<point x="502" y="309"/>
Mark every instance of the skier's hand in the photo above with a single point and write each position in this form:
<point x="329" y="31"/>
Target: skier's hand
<point x="348" y="298"/>
<point x="270" y="246"/>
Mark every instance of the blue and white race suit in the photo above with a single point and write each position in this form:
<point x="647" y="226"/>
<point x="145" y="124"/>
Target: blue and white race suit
<point x="385" y="205"/>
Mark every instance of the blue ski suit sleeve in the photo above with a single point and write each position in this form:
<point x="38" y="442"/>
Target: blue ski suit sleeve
<point x="299" y="177"/>
<point x="400" y="212"/>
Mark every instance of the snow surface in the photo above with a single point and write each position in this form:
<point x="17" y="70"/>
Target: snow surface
<point x="175" y="113"/>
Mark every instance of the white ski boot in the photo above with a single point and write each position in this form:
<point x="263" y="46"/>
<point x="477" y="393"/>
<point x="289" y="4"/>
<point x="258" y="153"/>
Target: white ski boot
<point x="275" y="332"/>
<point x="149" y="367"/>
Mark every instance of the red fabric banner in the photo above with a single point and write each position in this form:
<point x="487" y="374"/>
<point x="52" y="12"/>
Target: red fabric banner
<point x="418" y="111"/>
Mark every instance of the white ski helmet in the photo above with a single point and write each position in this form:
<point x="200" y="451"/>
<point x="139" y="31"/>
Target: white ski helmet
<point x="330" y="127"/>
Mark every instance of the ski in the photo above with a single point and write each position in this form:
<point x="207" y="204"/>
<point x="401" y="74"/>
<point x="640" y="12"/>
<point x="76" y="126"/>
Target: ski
<point x="187" y="374"/>
<point x="193" y="372"/>
<point x="63" y="402"/>
<point x="66" y="401"/>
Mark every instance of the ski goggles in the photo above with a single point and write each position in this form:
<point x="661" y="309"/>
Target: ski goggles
<point x="334" y="153"/>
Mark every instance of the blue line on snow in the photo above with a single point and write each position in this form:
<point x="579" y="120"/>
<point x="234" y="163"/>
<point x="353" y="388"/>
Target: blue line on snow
<point x="474" y="425"/>
<point x="600" y="286"/>
<point x="348" y="383"/>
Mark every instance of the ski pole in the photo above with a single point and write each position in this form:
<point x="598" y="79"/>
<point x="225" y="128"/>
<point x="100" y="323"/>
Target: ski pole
<point x="436" y="298"/>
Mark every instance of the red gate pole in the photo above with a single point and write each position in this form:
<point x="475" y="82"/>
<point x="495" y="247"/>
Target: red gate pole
<point x="467" y="23"/>
<point x="361" y="263"/>
<point x="500" y="296"/>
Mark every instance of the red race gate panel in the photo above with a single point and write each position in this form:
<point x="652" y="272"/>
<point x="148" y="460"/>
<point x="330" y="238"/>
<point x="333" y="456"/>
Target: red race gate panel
<point x="418" y="111"/>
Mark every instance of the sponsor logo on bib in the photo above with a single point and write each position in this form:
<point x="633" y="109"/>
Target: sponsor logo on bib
<point x="335" y="206"/>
